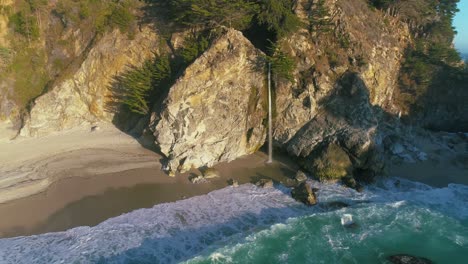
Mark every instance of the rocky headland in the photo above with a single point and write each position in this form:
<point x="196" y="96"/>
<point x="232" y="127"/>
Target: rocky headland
<point x="339" y="115"/>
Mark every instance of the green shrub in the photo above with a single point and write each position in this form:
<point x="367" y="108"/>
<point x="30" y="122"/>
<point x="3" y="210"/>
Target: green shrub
<point x="140" y="85"/>
<point x="332" y="58"/>
<point x="25" y="25"/>
<point x="105" y="15"/>
<point x="213" y="13"/>
<point x="121" y="17"/>
<point x="320" y="20"/>
<point x="137" y="84"/>
<point x="278" y="16"/>
<point x="84" y="11"/>
<point x="5" y="53"/>
<point x="28" y="68"/>
<point x="282" y="65"/>
<point x="194" y="47"/>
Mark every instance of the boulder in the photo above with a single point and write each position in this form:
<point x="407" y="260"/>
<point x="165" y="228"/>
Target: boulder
<point x="397" y="149"/>
<point x="334" y="205"/>
<point x="233" y="183"/>
<point x="375" y="54"/>
<point x="210" y="173"/>
<point x="300" y="176"/>
<point x="194" y="178"/>
<point x="350" y="182"/>
<point x="332" y="164"/>
<point x="265" y="183"/>
<point x="343" y="137"/>
<point x="304" y="193"/>
<point x="215" y="110"/>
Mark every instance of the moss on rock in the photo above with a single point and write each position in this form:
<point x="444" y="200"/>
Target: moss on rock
<point x="332" y="164"/>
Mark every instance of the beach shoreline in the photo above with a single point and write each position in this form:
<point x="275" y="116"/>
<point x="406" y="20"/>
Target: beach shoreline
<point x="81" y="178"/>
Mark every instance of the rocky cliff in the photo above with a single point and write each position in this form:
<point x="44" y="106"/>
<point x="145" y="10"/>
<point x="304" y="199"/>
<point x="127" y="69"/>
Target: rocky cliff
<point x="213" y="113"/>
<point x="331" y="115"/>
<point x="83" y="97"/>
<point x="361" y="43"/>
<point x="215" y="110"/>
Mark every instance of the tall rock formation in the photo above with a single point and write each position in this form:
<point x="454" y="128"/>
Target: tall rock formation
<point x="82" y="97"/>
<point x="344" y="80"/>
<point x="215" y="111"/>
<point x="360" y="41"/>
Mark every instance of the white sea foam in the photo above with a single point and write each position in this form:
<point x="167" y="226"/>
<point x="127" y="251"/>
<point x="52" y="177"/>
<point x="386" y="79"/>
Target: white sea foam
<point x="166" y="233"/>
<point x="174" y="232"/>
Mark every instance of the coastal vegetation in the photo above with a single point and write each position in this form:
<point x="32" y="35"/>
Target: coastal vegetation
<point x="205" y="19"/>
<point x="430" y="62"/>
<point x="139" y="84"/>
<point x="30" y="62"/>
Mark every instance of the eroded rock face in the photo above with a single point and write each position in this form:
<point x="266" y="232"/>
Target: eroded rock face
<point x="331" y="164"/>
<point x="343" y="81"/>
<point x="347" y="125"/>
<point x="362" y="43"/>
<point x="8" y="108"/>
<point x="82" y="98"/>
<point x="214" y="112"/>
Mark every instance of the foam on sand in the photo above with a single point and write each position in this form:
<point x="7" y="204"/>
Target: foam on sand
<point x="179" y="231"/>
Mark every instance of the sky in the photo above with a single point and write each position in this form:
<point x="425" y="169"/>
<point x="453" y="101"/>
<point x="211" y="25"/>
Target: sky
<point x="461" y="25"/>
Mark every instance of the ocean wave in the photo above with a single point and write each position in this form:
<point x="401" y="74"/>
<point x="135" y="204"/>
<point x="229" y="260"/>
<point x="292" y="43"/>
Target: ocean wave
<point x="237" y="217"/>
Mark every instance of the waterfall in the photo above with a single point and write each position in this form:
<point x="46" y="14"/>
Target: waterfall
<point x="270" y="119"/>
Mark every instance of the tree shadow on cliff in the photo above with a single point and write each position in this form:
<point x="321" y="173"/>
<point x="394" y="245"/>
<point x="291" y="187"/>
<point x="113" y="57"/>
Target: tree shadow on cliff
<point x="137" y="95"/>
<point x="134" y="124"/>
<point x="124" y="119"/>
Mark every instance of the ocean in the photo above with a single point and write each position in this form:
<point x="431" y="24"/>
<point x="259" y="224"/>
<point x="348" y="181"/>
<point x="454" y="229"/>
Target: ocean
<point x="464" y="56"/>
<point x="248" y="224"/>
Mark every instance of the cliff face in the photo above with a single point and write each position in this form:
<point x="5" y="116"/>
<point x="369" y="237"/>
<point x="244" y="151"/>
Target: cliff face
<point x="362" y="43"/>
<point x="215" y="111"/>
<point x="7" y="107"/>
<point x="83" y="97"/>
<point x="343" y="81"/>
<point x="345" y="76"/>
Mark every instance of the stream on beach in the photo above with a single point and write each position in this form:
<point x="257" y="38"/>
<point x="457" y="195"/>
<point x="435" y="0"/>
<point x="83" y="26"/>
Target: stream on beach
<point x="248" y="224"/>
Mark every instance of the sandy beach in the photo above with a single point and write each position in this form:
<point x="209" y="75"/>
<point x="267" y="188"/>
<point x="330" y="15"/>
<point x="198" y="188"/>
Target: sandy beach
<point x="29" y="165"/>
<point x="81" y="178"/>
<point x="445" y="160"/>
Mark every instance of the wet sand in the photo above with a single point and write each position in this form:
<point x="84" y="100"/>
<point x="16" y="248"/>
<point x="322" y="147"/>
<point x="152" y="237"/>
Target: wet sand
<point x="80" y="178"/>
<point x="435" y="174"/>
<point x="87" y="200"/>
<point x="447" y="160"/>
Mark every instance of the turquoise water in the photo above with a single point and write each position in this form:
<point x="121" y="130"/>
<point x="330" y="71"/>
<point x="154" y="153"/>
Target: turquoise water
<point x="254" y="225"/>
<point x="383" y="230"/>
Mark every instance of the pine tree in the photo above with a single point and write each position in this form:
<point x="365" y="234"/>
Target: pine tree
<point x="278" y="16"/>
<point x="320" y="20"/>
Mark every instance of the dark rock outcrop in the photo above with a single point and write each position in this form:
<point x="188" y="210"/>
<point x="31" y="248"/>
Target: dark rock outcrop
<point x="265" y="183"/>
<point x="304" y="193"/>
<point x="300" y="176"/>
<point x="342" y="138"/>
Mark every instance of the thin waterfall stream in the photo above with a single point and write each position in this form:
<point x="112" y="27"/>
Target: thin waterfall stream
<point x="270" y="119"/>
